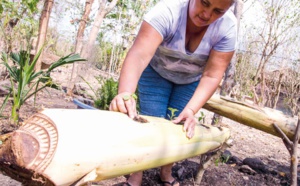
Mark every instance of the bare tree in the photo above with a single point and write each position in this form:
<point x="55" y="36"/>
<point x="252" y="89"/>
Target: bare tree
<point x="82" y="26"/>
<point x="44" y="20"/>
<point x="80" y="39"/>
<point x="281" y="17"/>
<point x="104" y="8"/>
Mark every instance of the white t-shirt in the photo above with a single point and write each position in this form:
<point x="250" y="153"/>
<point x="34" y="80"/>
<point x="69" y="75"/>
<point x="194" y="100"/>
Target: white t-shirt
<point x="171" y="60"/>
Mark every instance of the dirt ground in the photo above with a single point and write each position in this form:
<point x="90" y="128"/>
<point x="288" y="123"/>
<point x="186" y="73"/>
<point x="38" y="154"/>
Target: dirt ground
<point x="256" y="158"/>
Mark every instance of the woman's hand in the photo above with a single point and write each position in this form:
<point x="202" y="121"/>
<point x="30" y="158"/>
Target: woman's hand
<point x="125" y="103"/>
<point x="187" y="115"/>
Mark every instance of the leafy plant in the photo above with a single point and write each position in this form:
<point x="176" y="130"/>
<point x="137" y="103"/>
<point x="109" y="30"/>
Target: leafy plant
<point x="106" y="93"/>
<point x="28" y="81"/>
<point x="3" y="106"/>
<point x="222" y="159"/>
<point x="202" y="117"/>
<point x="172" y="110"/>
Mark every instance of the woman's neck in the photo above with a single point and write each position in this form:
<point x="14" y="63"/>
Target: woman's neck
<point x="191" y="28"/>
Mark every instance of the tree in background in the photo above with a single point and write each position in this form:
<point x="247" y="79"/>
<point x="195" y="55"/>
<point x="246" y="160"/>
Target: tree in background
<point x="118" y="32"/>
<point x="278" y="31"/>
<point x="79" y="41"/>
<point x="118" y="21"/>
<point x="43" y="27"/>
<point x="104" y="8"/>
<point x="17" y="23"/>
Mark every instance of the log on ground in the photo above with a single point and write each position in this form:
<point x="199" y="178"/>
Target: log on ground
<point x="66" y="146"/>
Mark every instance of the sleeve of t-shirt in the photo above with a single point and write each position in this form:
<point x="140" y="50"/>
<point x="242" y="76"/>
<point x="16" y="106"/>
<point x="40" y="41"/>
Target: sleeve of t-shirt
<point x="228" y="37"/>
<point x="160" y="18"/>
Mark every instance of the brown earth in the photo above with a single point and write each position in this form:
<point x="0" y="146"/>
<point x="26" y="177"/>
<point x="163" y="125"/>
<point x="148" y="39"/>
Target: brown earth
<point x="257" y="158"/>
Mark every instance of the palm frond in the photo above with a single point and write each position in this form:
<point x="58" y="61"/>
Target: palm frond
<point x="71" y="58"/>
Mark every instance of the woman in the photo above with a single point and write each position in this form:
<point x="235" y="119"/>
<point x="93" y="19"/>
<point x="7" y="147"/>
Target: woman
<point x="177" y="60"/>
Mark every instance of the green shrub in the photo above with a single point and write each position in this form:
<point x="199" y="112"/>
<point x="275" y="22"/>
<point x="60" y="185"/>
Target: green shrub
<point x="106" y="93"/>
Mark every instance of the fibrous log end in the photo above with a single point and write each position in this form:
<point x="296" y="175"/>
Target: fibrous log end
<point x="28" y="151"/>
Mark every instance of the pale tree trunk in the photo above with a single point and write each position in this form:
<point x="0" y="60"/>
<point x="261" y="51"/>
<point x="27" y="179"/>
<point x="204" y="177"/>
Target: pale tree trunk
<point x="82" y="25"/>
<point x="79" y="40"/>
<point x="87" y="49"/>
<point x="44" y="20"/>
<point x="228" y="82"/>
<point x="102" y="12"/>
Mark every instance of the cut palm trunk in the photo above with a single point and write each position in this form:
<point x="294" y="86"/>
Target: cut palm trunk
<point x="253" y="116"/>
<point x="65" y="146"/>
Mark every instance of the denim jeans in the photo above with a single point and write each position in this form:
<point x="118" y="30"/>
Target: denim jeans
<point x="157" y="94"/>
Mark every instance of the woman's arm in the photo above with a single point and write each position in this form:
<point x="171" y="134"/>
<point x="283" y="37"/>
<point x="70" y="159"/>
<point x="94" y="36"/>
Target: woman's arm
<point x="137" y="59"/>
<point x="211" y="77"/>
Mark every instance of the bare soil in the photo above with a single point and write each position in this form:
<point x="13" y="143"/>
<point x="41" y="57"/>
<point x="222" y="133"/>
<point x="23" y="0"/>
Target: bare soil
<point x="256" y="158"/>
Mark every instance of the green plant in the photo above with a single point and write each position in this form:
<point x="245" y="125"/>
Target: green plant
<point x="202" y="117"/>
<point x="222" y="159"/>
<point x="28" y="81"/>
<point x="172" y="110"/>
<point x="3" y="106"/>
<point x="106" y="93"/>
<point x="216" y="120"/>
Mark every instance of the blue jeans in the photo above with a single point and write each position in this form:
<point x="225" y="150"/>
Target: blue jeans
<point x="157" y="94"/>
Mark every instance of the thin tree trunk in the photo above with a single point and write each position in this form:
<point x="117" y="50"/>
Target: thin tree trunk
<point x="79" y="41"/>
<point x="44" y="20"/>
<point x="102" y="12"/>
<point x="87" y="49"/>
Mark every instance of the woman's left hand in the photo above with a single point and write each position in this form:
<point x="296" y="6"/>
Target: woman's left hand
<point x="187" y="115"/>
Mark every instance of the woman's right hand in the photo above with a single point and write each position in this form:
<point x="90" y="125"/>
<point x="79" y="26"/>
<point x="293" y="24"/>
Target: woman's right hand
<point x="125" y="103"/>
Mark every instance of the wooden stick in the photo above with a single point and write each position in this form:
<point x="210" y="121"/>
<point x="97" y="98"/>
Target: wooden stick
<point x="294" y="157"/>
<point x="287" y="142"/>
<point x="209" y="158"/>
<point x="292" y="147"/>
